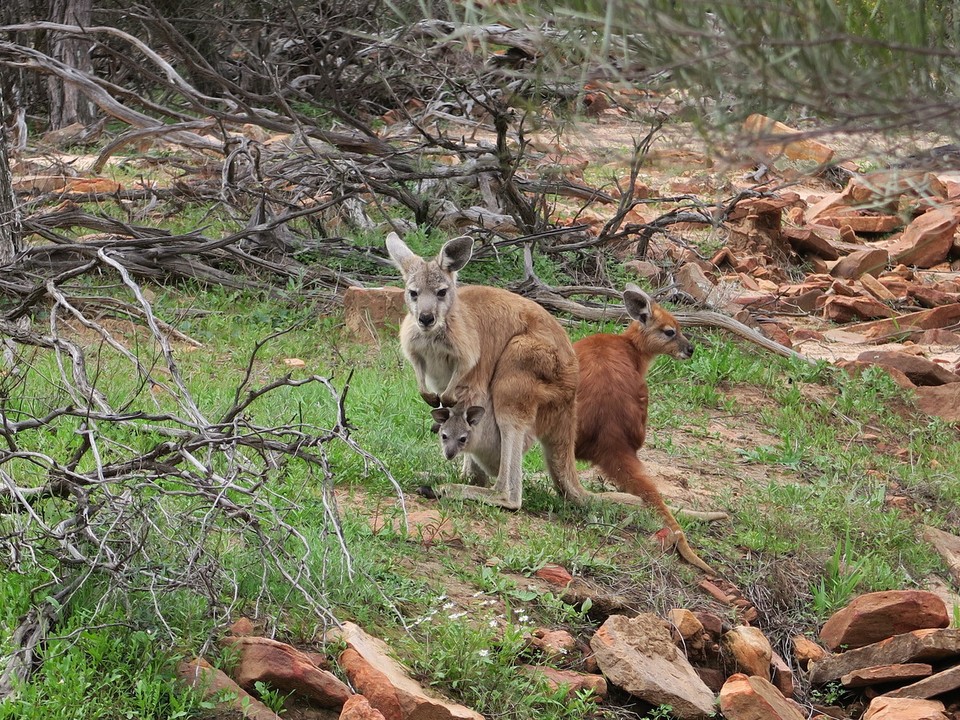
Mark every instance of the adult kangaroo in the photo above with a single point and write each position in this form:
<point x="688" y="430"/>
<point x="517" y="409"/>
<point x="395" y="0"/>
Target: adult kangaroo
<point x="612" y="403"/>
<point x="484" y="346"/>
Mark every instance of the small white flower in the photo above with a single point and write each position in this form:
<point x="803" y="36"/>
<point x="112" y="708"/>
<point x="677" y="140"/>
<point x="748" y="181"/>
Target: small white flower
<point x="493" y="623"/>
<point x="454" y="616"/>
<point x="449" y="606"/>
<point x="483" y="653"/>
<point x="523" y="618"/>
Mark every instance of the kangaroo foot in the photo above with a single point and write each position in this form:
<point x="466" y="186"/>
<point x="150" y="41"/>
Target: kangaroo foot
<point x="677" y="539"/>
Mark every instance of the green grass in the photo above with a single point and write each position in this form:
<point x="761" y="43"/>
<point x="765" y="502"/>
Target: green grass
<point x="825" y="489"/>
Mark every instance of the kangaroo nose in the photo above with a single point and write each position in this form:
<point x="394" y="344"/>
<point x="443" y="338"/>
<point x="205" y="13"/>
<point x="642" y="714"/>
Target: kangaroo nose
<point x="426" y="319"/>
<point x="688" y="351"/>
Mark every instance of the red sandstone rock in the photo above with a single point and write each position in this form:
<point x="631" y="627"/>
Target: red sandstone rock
<point x="869" y="261"/>
<point x="927" y="240"/>
<point x="554" y="574"/>
<point x="842" y="309"/>
<point x="369" y="310"/>
<point x="575" y="682"/>
<point x="555" y="644"/>
<point x="755" y="698"/>
<point x="782" y="679"/>
<point x="916" y="646"/>
<point x="920" y="370"/>
<point x="884" y="708"/>
<point x="359" y="708"/>
<point x="286" y="668"/>
<point x="386" y="684"/>
<point x="939" y="317"/>
<point x="876" y="616"/>
<point x="750" y="650"/>
<point x="216" y="685"/>
<point x="942" y="401"/>
<point x="885" y="674"/>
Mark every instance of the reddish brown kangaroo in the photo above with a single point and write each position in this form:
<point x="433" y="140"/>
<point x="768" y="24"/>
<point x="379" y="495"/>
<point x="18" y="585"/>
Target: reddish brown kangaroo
<point x="612" y="400"/>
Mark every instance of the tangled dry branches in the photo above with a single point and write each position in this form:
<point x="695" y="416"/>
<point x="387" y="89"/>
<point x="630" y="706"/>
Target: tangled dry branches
<point x="136" y="488"/>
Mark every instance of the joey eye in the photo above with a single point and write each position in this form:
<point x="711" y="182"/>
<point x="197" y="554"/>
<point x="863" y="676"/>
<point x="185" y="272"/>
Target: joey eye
<point x="670" y="332"/>
<point x="463" y="439"/>
<point x="444" y="436"/>
<point x="442" y="293"/>
<point x="413" y="294"/>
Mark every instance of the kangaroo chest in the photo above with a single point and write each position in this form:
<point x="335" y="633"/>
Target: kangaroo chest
<point x="437" y="358"/>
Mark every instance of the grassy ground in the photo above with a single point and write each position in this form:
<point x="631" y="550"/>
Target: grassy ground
<point x="806" y="459"/>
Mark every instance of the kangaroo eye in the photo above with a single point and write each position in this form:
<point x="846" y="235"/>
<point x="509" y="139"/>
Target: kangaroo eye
<point x="463" y="439"/>
<point x="442" y="293"/>
<point x="413" y="294"/>
<point x="669" y="332"/>
<point x="444" y="436"/>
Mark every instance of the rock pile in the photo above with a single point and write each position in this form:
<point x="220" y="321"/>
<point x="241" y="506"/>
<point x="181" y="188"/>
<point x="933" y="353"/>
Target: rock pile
<point x="892" y="652"/>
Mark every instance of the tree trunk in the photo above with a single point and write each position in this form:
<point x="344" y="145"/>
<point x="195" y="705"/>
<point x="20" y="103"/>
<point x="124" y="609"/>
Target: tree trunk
<point x="11" y="242"/>
<point x="67" y="104"/>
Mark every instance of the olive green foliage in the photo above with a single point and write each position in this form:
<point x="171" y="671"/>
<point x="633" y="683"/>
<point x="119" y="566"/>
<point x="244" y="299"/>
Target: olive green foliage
<point x="856" y="65"/>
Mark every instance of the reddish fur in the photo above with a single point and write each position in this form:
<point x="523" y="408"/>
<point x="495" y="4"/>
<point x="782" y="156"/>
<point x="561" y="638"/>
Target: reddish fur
<point x="612" y="402"/>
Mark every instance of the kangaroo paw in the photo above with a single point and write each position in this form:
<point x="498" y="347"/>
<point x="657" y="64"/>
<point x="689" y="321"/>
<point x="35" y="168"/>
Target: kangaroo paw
<point x="431" y="399"/>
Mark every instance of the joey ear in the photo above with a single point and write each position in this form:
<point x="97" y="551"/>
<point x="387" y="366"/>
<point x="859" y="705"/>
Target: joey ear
<point x="455" y="253"/>
<point x="399" y="253"/>
<point x="474" y="414"/>
<point x="440" y="414"/>
<point x="435" y="428"/>
<point x="639" y="304"/>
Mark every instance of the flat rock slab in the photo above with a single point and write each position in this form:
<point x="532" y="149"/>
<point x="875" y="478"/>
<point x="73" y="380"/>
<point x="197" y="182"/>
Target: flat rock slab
<point x="916" y="646"/>
<point x="386" y="684"/>
<point x="638" y="655"/>
<point x="920" y="370"/>
<point x="884" y="708"/>
<point x="942" y="682"/>
<point x="886" y="674"/>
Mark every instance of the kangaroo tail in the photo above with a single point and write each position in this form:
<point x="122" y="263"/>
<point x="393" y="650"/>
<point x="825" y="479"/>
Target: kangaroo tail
<point x="627" y="472"/>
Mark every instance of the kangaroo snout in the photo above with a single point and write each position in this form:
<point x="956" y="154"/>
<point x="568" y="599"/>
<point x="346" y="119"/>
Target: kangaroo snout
<point x="686" y="352"/>
<point x="426" y="319"/>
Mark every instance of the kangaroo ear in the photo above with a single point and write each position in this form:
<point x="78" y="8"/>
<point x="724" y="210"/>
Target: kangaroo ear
<point x="474" y="414"/>
<point x="639" y="304"/>
<point x="435" y="428"/>
<point x="440" y="414"/>
<point x="399" y="253"/>
<point x="455" y="253"/>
